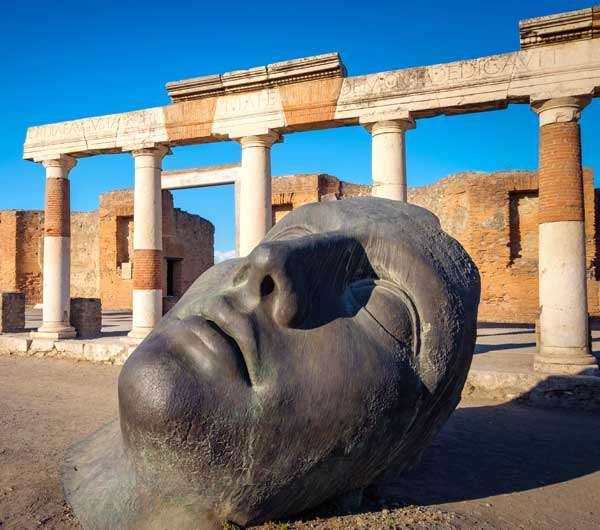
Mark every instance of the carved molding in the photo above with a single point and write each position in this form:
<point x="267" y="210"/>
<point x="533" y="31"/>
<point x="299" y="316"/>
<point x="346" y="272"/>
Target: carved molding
<point x="390" y="126"/>
<point x="158" y="151"/>
<point x="260" y="140"/>
<point x="65" y="162"/>
<point x="563" y="27"/>
<point x="274" y="74"/>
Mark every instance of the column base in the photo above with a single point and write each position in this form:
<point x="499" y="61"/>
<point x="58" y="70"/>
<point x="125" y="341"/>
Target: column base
<point x="54" y="330"/>
<point x="136" y="335"/>
<point x="571" y="361"/>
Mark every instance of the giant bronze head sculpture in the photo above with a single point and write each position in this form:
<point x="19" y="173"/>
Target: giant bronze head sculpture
<point x="331" y="354"/>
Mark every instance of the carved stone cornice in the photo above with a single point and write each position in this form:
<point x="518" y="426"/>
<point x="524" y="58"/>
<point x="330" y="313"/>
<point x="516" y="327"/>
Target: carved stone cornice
<point x="554" y="29"/>
<point x="274" y="74"/>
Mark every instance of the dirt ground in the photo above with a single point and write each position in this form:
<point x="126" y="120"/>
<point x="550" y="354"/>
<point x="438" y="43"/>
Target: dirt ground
<point x="492" y="467"/>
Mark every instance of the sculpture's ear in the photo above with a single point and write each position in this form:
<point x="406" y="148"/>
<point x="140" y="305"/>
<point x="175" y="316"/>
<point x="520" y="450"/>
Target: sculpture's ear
<point x="391" y="308"/>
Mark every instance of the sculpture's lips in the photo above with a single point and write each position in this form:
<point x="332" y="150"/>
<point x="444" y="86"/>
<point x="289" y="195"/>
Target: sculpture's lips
<point x="216" y="352"/>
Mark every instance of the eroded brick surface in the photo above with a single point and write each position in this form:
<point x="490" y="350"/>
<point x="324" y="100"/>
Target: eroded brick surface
<point x="561" y="191"/>
<point x="495" y="216"/>
<point x="102" y="250"/>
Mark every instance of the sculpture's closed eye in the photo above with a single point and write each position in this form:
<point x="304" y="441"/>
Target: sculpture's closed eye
<point x="390" y="307"/>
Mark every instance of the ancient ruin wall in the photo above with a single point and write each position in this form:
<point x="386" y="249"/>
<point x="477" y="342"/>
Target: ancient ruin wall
<point x="196" y="236"/>
<point x="188" y="241"/>
<point x="22" y="253"/>
<point x="494" y="216"/>
<point x="30" y="254"/>
<point x="8" y="250"/>
<point x="85" y="255"/>
<point x="116" y="248"/>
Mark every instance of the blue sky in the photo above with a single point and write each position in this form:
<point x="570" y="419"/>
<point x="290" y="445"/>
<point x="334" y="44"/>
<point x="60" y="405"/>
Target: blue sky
<point x="66" y="60"/>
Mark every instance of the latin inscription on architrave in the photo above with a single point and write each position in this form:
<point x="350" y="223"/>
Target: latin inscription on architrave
<point x="145" y="124"/>
<point x="437" y="77"/>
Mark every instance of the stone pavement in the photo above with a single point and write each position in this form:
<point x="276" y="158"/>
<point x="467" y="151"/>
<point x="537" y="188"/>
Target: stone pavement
<point x="501" y="369"/>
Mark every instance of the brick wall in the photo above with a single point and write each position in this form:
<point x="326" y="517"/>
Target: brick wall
<point x="495" y="217"/>
<point x="101" y="250"/>
<point x="196" y="237"/>
<point x="8" y="250"/>
<point x="188" y="247"/>
<point x="116" y="248"/>
<point x="30" y="254"/>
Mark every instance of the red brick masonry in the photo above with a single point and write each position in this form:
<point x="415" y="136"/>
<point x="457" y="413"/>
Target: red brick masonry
<point x="147" y="269"/>
<point x="560" y="176"/>
<point x="57" y="221"/>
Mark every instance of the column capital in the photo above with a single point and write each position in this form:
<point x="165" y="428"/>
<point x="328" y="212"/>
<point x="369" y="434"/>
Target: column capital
<point x="155" y="151"/>
<point x="390" y="126"/>
<point x="64" y="162"/>
<point x="260" y="140"/>
<point x="559" y="110"/>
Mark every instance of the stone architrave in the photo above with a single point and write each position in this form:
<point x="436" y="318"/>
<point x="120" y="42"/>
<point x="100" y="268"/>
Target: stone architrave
<point x="315" y="93"/>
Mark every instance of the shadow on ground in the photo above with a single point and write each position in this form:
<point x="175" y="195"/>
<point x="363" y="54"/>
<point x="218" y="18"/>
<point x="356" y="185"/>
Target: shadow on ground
<point x="484" y="348"/>
<point x="492" y="450"/>
<point x="486" y="451"/>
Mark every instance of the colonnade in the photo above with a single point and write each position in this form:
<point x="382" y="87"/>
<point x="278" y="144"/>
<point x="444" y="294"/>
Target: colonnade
<point x="254" y="222"/>
<point x="564" y="324"/>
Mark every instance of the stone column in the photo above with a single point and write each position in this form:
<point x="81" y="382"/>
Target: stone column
<point x="564" y="332"/>
<point x="147" y="242"/>
<point x="255" y="217"/>
<point x="236" y="192"/>
<point x="389" y="158"/>
<point x="57" y="251"/>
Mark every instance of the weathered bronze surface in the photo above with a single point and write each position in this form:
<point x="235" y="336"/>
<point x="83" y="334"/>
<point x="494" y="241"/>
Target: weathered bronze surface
<point x="333" y="353"/>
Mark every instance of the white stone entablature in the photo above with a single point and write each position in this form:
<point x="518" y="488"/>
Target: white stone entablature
<point x="569" y="69"/>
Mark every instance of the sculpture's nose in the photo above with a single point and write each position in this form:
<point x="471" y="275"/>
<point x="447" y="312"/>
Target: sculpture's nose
<point x="278" y="282"/>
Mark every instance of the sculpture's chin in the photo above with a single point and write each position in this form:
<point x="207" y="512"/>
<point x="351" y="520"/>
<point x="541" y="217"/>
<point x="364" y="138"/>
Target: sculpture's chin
<point x="101" y="486"/>
<point x="187" y="368"/>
